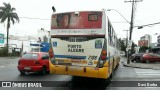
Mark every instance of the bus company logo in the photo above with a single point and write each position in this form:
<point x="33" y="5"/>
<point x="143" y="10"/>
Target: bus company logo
<point x="98" y="44"/>
<point x="6" y="84"/>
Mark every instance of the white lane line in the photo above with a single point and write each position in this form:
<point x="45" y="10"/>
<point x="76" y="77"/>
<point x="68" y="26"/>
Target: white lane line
<point x="1" y="66"/>
<point x="148" y="74"/>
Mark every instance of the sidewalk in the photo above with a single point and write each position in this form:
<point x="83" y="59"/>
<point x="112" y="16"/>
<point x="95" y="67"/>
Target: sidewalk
<point x="9" y="57"/>
<point x="155" y="65"/>
<point x="8" y="60"/>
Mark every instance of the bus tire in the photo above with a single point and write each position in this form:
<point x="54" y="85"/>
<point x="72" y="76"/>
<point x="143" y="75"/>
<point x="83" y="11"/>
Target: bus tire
<point x="107" y="81"/>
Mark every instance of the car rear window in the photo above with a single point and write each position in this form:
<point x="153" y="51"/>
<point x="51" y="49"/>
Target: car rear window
<point x="30" y="56"/>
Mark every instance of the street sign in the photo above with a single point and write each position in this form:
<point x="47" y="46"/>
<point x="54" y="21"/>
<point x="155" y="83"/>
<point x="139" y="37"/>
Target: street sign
<point x="130" y="42"/>
<point x="1" y="38"/>
<point x="10" y="49"/>
<point x="127" y="49"/>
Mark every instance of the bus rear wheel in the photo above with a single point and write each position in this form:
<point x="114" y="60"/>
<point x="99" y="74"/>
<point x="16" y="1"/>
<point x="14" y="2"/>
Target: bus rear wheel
<point x="107" y="81"/>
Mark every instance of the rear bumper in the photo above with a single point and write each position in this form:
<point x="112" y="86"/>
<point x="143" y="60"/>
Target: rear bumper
<point x="32" y="68"/>
<point x="80" y="71"/>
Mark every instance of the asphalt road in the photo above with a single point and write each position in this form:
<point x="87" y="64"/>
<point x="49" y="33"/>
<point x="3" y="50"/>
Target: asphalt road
<point x="9" y="72"/>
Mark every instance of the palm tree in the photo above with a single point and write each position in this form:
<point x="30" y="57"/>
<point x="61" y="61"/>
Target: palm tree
<point x="7" y="14"/>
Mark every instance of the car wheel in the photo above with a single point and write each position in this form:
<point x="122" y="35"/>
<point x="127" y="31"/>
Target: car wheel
<point x="137" y="60"/>
<point x="22" y="72"/>
<point x="44" y="70"/>
<point x="147" y="61"/>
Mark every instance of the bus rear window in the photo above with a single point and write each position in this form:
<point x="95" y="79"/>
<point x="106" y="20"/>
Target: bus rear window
<point x="84" y="20"/>
<point x="92" y="17"/>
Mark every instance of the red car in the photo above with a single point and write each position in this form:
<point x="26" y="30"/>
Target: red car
<point x="150" y="57"/>
<point x="34" y="62"/>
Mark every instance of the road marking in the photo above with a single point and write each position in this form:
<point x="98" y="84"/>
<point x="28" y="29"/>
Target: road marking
<point x="1" y="66"/>
<point x="147" y="73"/>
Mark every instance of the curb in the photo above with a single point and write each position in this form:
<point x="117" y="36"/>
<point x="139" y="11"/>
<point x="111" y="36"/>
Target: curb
<point x="129" y="65"/>
<point x="9" y="57"/>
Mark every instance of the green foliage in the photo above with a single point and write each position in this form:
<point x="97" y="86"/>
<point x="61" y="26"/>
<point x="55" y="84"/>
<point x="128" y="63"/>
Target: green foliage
<point x="143" y="49"/>
<point x="122" y="45"/>
<point x="3" y="51"/>
<point x="8" y="15"/>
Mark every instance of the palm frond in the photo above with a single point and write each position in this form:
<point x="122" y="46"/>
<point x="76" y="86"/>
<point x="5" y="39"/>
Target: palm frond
<point x="2" y="8"/>
<point x="3" y="19"/>
<point x="1" y="14"/>
<point x="15" y="16"/>
<point x="7" y="5"/>
<point x="13" y="21"/>
<point x="13" y="9"/>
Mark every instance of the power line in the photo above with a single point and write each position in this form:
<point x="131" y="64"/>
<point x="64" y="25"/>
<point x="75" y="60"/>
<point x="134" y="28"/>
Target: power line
<point x="34" y="18"/>
<point x="141" y="26"/>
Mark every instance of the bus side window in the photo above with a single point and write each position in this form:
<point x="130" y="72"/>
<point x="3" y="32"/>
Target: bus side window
<point x="109" y="33"/>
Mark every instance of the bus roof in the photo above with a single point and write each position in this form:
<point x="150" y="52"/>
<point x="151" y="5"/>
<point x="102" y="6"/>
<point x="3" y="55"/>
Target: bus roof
<point x="78" y="11"/>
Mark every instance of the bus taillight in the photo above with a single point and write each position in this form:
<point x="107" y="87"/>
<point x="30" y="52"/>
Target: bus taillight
<point x="103" y="57"/>
<point x="104" y="52"/>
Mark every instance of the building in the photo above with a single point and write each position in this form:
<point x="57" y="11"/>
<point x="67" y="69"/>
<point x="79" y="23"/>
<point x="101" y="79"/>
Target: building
<point x="145" y="40"/>
<point x="27" y="43"/>
<point x="143" y="43"/>
<point x="21" y="42"/>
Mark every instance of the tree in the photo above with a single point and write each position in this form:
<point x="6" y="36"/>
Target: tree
<point x="7" y="14"/>
<point x="122" y="45"/>
<point x="143" y="48"/>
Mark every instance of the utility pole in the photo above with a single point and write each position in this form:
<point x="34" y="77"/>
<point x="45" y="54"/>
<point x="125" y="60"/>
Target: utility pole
<point x="126" y="42"/>
<point x="131" y="25"/>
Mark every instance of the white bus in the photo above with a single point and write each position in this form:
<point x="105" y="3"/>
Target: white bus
<point x="83" y="43"/>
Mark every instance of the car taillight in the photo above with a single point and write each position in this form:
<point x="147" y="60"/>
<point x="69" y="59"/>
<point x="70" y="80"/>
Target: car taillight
<point x="36" y="62"/>
<point x="145" y="55"/>
<point x="50" y="53"/>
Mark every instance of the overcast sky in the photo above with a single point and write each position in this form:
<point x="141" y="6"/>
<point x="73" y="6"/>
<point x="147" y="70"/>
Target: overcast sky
<point x="147" y="12"/>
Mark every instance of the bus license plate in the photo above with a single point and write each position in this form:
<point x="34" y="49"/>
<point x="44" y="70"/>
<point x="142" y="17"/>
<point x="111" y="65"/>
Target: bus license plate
<point x="75" y="68"/>
<point x="76" y="60"/>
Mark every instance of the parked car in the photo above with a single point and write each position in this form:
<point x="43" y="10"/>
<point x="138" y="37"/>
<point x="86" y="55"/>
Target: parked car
<point x="34" y="62"/>
<point x="150" y="57"/>
<point x="136" y="57"/>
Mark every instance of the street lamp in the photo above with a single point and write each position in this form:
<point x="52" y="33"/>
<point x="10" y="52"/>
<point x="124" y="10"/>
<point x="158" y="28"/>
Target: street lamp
<point x="127" y="33"/>
<point x="119" y="14"/>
